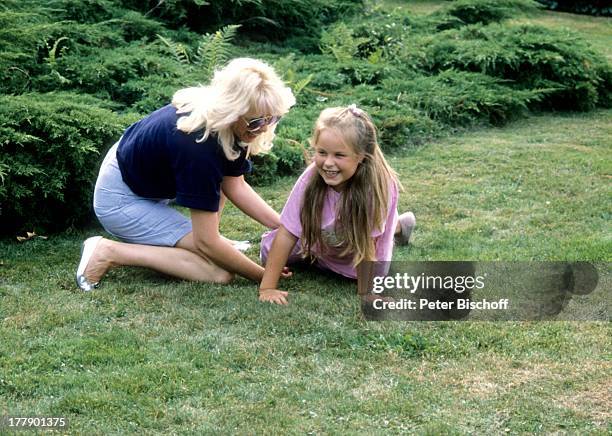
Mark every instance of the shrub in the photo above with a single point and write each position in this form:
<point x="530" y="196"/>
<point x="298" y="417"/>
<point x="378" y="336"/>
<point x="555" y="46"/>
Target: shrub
<point x="107" y="73"/>
<point x="399" y="125"/>
<point x="339" y="42"/>
<point x="31" y="46"/>
<point x="416" y="80"/>
<point x="386" y="33"/>
<point x="88" y="11"/>
<point x="50" y="149"/>
<point x="134" y="26"/>
<point x="532" y="57"/>
<point x="488" y="11"/>
<point x="458" y="98"/>
<point x="286" y="158"/>
<point x="212" y="51"/>
<point x="276" y="19"/>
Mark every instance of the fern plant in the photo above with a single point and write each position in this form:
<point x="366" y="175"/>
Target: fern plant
<point x="180" y="51"/>
<point x="215" y="48"/>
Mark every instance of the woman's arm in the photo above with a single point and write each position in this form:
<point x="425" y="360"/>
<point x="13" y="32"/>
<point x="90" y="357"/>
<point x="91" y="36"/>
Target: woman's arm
<point x="247" y="200"/>
<point x="209" y="243"/>
<point x="282" y="245"/>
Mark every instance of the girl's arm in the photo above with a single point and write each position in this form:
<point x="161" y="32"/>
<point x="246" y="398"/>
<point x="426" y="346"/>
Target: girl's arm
<point x="282" y="246"/>
<point x="209" y="242"/>
<point x="247" y="200"/>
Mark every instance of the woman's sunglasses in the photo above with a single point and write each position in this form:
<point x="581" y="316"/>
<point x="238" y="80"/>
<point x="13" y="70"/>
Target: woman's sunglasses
<point x="255" y="124"/>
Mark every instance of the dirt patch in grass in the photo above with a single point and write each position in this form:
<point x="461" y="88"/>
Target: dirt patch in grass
<point x="375" y="385"/>
<point x="501" y="378"/>
<point x="593" y="401"/>
<point x="589" y="384"/>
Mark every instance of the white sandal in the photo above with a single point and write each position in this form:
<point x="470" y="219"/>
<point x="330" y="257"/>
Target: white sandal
<point x="87" y="249"/>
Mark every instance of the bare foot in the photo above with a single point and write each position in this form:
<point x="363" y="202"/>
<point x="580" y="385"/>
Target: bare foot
<point x="403" y="230"/>
<point x="99" y="263"/>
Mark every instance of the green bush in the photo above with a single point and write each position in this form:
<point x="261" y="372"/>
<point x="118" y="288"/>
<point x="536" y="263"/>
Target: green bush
<point x="531" y="57"/>
<point x="31" y="46"/>
<point x="82" y="11"/>
<point x="276" y="19"/>
<point x="50" y="146"/>
<point x="286" y="158"/>
<point x="71" y="66"/>
<point x="487" y="11"/>
<point x="108" y="72"/>
<point x="401" y="126"/>
<point x="458" y="98"/>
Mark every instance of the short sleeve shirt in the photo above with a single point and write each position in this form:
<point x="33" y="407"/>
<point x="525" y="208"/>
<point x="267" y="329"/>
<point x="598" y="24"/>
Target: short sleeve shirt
<point x="159" y="161"/>
<point x="331" y="259"/>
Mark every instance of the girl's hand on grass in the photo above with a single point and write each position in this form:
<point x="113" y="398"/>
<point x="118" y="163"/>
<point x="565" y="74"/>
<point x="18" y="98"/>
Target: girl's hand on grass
<point x="285" y="273"/>
<point x="273" y="296"/>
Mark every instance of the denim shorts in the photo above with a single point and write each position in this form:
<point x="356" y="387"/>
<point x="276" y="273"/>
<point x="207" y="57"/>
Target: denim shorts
<point x="131" y="218"/>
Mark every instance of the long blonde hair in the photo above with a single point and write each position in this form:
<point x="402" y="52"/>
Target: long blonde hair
<point x="244" y="85"/>
<point x="365" y="199"/>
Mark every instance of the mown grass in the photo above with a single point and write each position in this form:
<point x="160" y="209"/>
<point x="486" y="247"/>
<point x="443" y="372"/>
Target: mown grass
<point x="146" y="353"/>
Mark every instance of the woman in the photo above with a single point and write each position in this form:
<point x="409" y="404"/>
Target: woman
<point x="194" y="150"/>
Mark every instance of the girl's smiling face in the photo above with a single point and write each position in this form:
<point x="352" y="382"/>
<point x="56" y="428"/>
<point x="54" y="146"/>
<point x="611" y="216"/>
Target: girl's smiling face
<point x="336" y="162"/>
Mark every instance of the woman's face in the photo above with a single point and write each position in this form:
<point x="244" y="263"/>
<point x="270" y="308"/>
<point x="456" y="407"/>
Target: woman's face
<point x="251" y="125"/>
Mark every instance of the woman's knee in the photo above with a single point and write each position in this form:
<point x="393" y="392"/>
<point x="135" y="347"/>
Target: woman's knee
<point x="222" y="277"/>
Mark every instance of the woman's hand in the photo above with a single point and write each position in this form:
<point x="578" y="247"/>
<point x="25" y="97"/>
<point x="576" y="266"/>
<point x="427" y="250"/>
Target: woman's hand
<point x="273" y="296"/>
<point x="286" y="273"/>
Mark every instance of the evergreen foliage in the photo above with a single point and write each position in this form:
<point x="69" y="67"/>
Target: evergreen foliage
<point x="50" y="148"/>
<point x="529" y="57"/>
<point x="459" y="98"/>
<point x="69" y="68"/>
<point x="488" y="11"/>
<point x="274" y="19"/>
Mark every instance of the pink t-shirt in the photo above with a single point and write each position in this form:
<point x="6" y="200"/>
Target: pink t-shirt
<point x="290" y="219"/>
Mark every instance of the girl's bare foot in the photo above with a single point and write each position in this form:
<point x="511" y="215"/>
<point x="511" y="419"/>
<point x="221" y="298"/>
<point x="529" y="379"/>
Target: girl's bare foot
<point x="405" y="225"/>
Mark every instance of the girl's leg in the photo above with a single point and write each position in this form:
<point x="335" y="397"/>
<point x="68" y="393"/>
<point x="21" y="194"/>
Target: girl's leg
<point x="180" y="261"/>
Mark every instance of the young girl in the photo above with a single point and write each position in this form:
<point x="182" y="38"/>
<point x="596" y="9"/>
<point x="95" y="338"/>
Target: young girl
<point x="343" y="208"/>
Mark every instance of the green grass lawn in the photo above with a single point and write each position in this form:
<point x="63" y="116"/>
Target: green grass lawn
<point x="145" y="353"/>
<point x="149" y="354"/>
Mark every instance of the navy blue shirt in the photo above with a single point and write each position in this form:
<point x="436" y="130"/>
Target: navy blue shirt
<point x="159" y="161"/>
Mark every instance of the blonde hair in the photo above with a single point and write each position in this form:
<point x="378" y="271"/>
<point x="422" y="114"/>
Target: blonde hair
<point x="364" y="201"/>
<point x="244" y="85"/>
